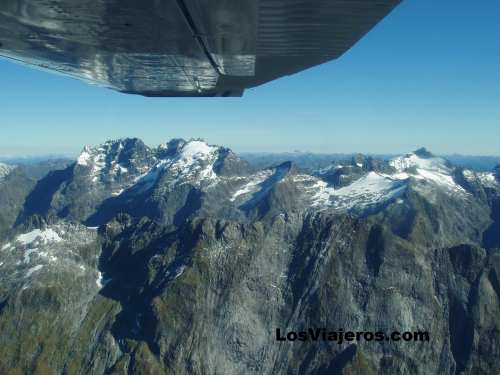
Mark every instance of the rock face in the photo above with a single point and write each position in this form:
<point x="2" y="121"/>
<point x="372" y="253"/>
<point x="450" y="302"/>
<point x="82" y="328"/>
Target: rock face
<point x="183" y="259"/>
<point x="14" y="188"/>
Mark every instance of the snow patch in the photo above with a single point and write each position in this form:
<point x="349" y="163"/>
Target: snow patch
<point x="193" y="164"/>
<point x="431" y="169"/>
<point x="365" y="193"/>
<point x="33" y="270"/>
<point x="101" y="282"/>
<point x="196" y="149"/>
<point x="5" y="170"/>
<point x="27" y="255"/>
<point x="180" y="271"/>
<point x="440" y="179"/>
<point x="370" y="190"/>
<point x="487" y="179"/>
<point x="322" y="194"/>
<point x="328" y="169"/>
<point x="41" y="236"/>
<point x="252" y="185"/>
<point x="84" y="157"/>
<point x="117" y="193"/>
<point x="408" y="161"/>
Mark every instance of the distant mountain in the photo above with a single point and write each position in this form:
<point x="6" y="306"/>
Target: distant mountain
<point x="38" y="167"/>
<point x="478" y="163"/>
<point x="185" y="258"/>
<point x="312" y="161"/>
<point x="303" y="160"/>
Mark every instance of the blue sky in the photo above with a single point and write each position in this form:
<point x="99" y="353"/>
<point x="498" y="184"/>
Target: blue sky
<point x="428" y="75"/>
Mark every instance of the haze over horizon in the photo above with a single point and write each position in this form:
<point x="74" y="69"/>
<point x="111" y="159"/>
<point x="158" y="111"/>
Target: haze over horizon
<point x="74" y="155"/>
<point x="420" y="78"/>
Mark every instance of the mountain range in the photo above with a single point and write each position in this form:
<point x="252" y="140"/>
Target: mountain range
<point x="186" y="258"/>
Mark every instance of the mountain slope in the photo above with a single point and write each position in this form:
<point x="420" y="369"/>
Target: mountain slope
<point x="198" y="259"/>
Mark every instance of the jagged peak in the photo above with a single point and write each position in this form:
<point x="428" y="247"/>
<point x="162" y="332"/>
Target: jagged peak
<point x="124" y="148"/>
<point x="288" y="167"/>
<point x="359" y="160"/>
<point x="171" y="147"/>
<point x="111" y="143"/>
<point x="284" y="168"/>
<point x="423" y="153"/>
<point x="110" y="148"/>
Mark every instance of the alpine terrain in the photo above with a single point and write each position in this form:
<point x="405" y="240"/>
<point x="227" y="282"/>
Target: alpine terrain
<point x="185" y="259"/>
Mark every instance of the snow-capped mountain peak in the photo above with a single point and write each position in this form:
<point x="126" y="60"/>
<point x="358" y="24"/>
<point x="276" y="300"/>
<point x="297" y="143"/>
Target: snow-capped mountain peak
<point x="196" y="149"/>
<point x="194" y="162"/>
<point x="181" y="162"/>
<point x="421" y="165"/>
<point x="420" y="159"/>
<point x="129" y="165"/>
<point x="348" y="189"/>
<point x="115" y="161"/>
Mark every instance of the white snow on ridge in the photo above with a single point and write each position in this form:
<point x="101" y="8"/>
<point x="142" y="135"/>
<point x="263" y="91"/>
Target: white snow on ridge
<point x="261" y="183"/>
<point x="148" y="179"/>
<point x="427" y="172"/>
<point x="45" y="251"/>
<point x="5" y="170"/>
<point x="369" y="190"/>
<point x="196" y="149"/>
<point x="370" y="183"/>
<point x="27" y="254"/>
<point x="117" y="193"/>
<point x="484" y="178"/>
<point x="37" y="235"/>
<point x="323" y="194"/>
<point x="252" y="185"/>
<point x="433" y="163"/>
<point x="193" y="164"/>
<point x="330" y="168"/>
<point x="469" y="175"/>
<point x="430" y="169"/>
<point x="95" y="158"/>
<point x="84" y="157"/>
<point x="366" y="192"/>
<point x="98" y="281"/>
<point x="33" y="270"/>
<point x="439" y="178"/>
<point x="487" y="179"/>
<point x="101" y="282"/>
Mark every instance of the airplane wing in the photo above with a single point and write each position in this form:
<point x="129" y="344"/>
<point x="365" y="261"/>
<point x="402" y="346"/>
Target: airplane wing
<point x="183" y="47"/>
